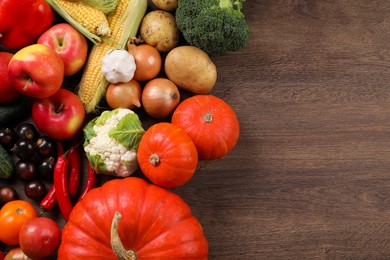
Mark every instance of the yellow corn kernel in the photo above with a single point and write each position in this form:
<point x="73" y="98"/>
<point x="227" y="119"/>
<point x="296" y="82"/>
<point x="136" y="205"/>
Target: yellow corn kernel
<point x="92" y="19"/>
<point x="124" y="22"/>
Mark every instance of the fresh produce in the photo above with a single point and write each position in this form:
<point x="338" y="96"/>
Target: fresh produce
<point x="61" y="186"/>
<point x="159" y="29"/>
<point x="210" y="122"/>
<point x="16" y="254"/>
<point x="111" y="142"/>
<point x="167" y="156"/>
<point x="26" y="130"/>
<point x="106" y="6"/>
<point x="25" y="169"/>
<point x="191" y="69"/>
<point x="21" y="22"/>
<point x="7" y="166"/>
<point x="124" y="23"/>
<point x="40" y="237"/>
<point x="15" y="110"/>
<point x="87" y="19"/>
<point x="124" y="95"/>
<point x="91" y="181"/>
<point x="7" y="193"/>
<point x="45" y="146"/>
<point x="74" y="158"/>
<point x="45" y="168"/>
<point x="118" y="65"/>
<point x="69" y="43"/>
<point x="36" y="71"/>
<point x="24" y="149"/>
<point x="215" y="26"/>
<point x="60" y="116"/>
<point x="7" y="90"/>
<point x="153" y="223"/>
<point x="160" y="97"/>
<point x="166" y="5"/>
<point x="7" y="138"/>
<point x="12" y="217"/>
<point x="35" y="189"/>
<point x="148" y="61"/>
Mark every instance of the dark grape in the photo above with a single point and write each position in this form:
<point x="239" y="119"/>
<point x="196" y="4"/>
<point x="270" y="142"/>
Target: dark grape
<point x="46" y="168"/>
<point x="7" y="138"/>
<point x="45" y="146"/>
<point x="35" y="189"/>
<point x="24" y="149"/>
<point x="27" y="131"/>
<point x="7" y="193"/>
<point x="25" y="170"/>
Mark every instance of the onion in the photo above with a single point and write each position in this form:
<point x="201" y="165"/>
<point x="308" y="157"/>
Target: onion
<point x="124" y="95"/>
<point x="147" y="59"/>
<point x="160" y="97"/>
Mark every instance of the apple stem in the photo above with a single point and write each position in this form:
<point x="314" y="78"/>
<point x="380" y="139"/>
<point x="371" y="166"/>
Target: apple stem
<point x="59" y="108"/>
<point x="27" y="83"/>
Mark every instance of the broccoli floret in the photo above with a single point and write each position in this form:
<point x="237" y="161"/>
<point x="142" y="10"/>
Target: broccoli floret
<point x="215" y="26"/>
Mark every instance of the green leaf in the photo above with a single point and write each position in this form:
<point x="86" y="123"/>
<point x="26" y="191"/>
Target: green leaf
<point x="128" y="131"/>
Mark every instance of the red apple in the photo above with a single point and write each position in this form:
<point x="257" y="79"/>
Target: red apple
<point x="7" y="91"/>
<point x="59" y="116"/>
<point x="69" y="43"/>
<point x="36" y="71"/>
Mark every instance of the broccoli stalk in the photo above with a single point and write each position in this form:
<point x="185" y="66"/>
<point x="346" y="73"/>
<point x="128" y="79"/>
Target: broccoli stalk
<point x="215" y="26"/>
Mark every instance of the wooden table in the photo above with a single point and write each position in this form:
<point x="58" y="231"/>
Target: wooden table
<point x="310" y="175"/>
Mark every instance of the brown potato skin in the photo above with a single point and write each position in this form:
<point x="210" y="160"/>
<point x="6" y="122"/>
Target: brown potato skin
<point x="191" y="69"/>
<point x="159" y="29"/>
<point x="166" y="5"/>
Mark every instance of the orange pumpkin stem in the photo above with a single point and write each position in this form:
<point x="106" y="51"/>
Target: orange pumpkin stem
<point x="208" y="117"/>
<point x="154" y="159"/>
<point x="116" y="243"/>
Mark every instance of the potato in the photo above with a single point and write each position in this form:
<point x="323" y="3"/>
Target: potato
<point x="166" y="5"/>
<point x="191" y="69"/>
<point x="159" y="29"/>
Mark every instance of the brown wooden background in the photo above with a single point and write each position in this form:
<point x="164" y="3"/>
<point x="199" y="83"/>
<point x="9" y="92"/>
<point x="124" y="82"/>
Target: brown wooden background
<point x="310" y="176"/>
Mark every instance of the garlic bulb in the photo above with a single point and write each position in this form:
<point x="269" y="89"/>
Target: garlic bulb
<point x="118" y="66"/>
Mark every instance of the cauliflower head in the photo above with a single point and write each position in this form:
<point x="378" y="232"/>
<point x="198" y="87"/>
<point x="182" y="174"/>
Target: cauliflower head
<point x="111" y="142"/>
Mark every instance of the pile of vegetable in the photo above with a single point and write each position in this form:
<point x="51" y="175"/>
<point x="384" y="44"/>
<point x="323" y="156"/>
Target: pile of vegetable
<point x="142" y="117"/>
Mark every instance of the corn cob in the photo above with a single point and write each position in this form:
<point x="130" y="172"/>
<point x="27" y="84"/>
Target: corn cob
<point x="106" y="6"/>
<point x="86" y="18"/>
<point x="124" y="23"/>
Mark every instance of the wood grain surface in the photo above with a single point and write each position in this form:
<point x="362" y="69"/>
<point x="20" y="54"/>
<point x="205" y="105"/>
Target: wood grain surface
<point x="310" y="175"/>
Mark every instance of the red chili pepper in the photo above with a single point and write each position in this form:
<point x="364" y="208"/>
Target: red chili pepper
<point x="74" y="169"/>
<point x="22" y="22"/>
<point x="50" y="200"/>
<point x="91" y="181"/>
<point x="61" y="186"/>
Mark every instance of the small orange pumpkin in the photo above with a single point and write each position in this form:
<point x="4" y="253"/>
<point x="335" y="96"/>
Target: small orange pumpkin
<point x="211" y="123"/>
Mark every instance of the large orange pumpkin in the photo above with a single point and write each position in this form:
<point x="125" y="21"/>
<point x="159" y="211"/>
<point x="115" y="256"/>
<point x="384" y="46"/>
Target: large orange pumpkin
<point x="132" y="219"/>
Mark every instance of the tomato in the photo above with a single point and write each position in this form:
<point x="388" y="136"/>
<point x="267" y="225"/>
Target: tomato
<point x="40" y="237"/>
<point x="148" y="61"/>
<point x="16" y="254"/>
<point x="12" y="217"/>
